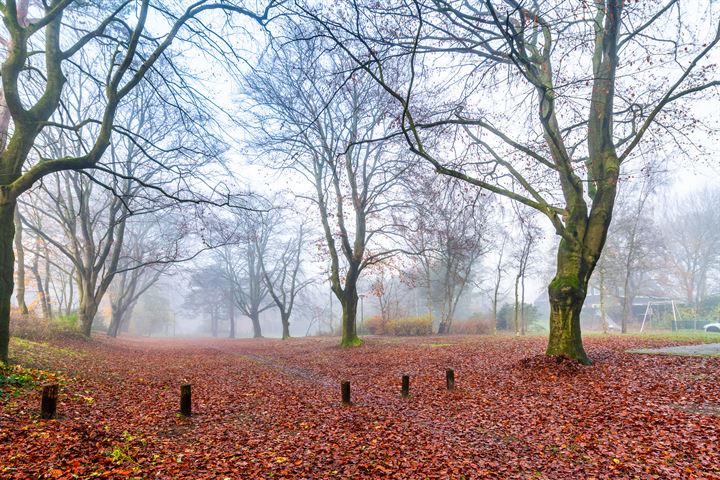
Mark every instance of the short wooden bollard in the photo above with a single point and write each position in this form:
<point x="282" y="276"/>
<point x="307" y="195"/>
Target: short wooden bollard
<point x="345" y="391"/>
<point x="405" y="392"/>
<point x="48" y="404"/>
<point x="185" y="400"/>
<point x="450" y="378"/>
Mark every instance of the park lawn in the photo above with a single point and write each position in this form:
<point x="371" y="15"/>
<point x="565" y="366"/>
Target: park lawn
<point x="271" y="409"/>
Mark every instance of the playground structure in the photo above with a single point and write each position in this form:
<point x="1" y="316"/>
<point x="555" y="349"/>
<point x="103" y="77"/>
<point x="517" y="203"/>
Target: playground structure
<point x="656" y="308"/>
<point x="650" y="312"/>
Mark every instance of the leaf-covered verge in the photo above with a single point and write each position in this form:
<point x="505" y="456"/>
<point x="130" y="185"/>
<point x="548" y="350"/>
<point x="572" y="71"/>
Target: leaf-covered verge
<point x="271" y="409"/>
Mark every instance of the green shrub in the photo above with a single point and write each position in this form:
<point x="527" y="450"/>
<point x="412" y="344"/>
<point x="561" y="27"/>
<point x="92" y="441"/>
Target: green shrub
<point x="68" y="322"/>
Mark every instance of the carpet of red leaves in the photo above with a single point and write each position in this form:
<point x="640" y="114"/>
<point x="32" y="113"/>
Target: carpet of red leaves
<point x="271" y="409"/>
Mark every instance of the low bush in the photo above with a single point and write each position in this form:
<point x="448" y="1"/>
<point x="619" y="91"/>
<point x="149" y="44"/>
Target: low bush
<point x="375" y="325"/>
<point x="402" y="327"/>
<point x="475" y="325"/>
<point x="32" y="327"/>
<point x="410" y="326"/>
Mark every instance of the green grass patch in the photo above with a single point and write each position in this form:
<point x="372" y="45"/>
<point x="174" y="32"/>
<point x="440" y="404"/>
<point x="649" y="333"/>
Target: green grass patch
<point x="436" y="345"/>
<point x="28" y="352"/>
<point x="16" y="380"/>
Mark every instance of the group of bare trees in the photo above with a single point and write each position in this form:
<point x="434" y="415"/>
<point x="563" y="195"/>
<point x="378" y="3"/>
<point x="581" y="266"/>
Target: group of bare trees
<point x="257" y="266"/>
<point x="446" y="229"/>
<point x="103" y="127"/>
<point x="46" y="45"/>
<point x="462" y="77"/>
<point x="665" y="248"/>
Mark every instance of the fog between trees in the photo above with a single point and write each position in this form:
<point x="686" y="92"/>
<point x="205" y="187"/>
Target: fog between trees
<point x="422" y="166"/>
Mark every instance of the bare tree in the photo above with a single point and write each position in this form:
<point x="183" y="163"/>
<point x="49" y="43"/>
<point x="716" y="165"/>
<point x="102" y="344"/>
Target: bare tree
<point x="499" y="269"/>
<point x="531" y="236"/>
<point x="326" y="130"/>
<point x="282" y="271"/>
<point x="448" y="232"/>
<point x="150" y="249"/>
<point x="692" y="238"/>
<point x="209" y="292"/>
<point x="634" y="244"/>
<point x="241" y="255"/>
<point x="557" y="67"/>
<point x="44" y="43"/>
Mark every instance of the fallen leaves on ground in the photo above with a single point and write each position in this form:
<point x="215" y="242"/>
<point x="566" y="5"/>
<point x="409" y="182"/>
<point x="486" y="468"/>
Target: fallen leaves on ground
<point x="271" y="409"/>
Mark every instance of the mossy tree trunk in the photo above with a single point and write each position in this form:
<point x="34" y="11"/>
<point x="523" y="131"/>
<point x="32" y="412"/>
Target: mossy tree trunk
<point x="86" y="314"/>
<point x="7" y="265"/>
<point x="349" y="301"/>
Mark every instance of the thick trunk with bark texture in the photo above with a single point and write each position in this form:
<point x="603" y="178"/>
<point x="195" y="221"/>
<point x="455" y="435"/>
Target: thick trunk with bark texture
<point x="285" y="319"/>
<point x="567" y="294"/>
<point x="7" y="266"/>
<point x="257" y="330"/>
<point x="349" y="302"/>
<point x="114" y="324"/>
<point x="86" y="314"/>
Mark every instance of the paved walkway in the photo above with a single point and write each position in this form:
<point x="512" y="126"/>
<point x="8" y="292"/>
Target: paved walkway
<point x="702" y="350"/>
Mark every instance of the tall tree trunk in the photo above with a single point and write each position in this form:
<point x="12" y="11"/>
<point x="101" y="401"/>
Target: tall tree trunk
<point x="115" y="320"/>
<point x="41" y="287"/>
<point x="47" y="279"/>
<point x="516" y="312"/>
<point x="627" y="305"/>
<point x="429" y="299"/>
<point x="231" y="316"/>
<point x="20" y="255"/>
<point x="255" y="319"/>
<point x="86" y="314"/>
<point x="567" y="294"/>
<point x="349" y="302"/>
<point x="71" y="293"/>
<point x="7" y="265"/>
<point x="442" y="328"/>
<point x="523" y="325"/>
<point x="603" y="316"/>
<point x="285" y="319"/>
<point x="494" y="313"/>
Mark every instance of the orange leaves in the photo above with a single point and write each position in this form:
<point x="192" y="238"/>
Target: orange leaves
<point x="514" y="413"/>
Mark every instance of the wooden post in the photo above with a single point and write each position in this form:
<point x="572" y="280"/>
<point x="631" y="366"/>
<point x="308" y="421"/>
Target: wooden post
<point x="48" y="404"/>
<point x="345" y="390"/>
<point x="185" y="400"/>
<point x="450" y="378"/>
<point x="405" y="392"/>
